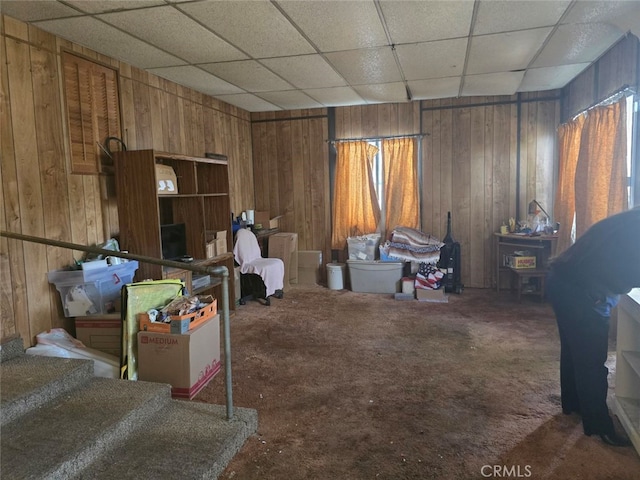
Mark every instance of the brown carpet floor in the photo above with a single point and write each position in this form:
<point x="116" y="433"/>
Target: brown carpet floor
<point x="361" y="386"/>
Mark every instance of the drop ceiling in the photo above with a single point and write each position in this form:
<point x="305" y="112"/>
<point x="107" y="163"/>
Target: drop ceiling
<point x="264" y="55"/>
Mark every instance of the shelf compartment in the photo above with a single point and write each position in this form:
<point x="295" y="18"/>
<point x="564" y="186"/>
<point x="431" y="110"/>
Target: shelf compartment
<point x="633" y="358"/>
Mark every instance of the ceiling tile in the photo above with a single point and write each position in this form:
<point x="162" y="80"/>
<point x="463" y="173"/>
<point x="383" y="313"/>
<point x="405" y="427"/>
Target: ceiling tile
<point x="256" y="27"/>
<point x="383" y="92"/>
<point x="335" y="96"/>
<point x="374" y="65"/>
<point x="175" y="33"/>
<point x="109" y="41"/>
<point x="549" y="78"/>
<point x="497" y="16"/>
<point x="248" y="75"/>
<point x="248" y="102"/>
<point x="305" y="71"/>
<point x="601" y="11"/>
<point x="193" y="77"/>
<point x="36" y="10"/>
<point x="443" y="58"/>
<point x="623" y="14"/>
<point x="577" y="44"/>
<point x="505" y="83"/>
<point x="290" y="100"/>
<point x="101" y="6"/>
<point x="505" y="51"/>
<point x="420" y="21"/>
<point x="334" y="26"/>
<point x="434" y="88"/>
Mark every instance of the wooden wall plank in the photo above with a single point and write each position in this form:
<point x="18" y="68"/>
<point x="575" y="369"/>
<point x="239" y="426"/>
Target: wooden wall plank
<point x="13" y="302"/>
<point x="127" y="113"/>
<point x="53" y="178"/>
<point x="461" y="183"/>
<point x="479" y="227"/>
<point x="489" y="200"/>
<point x="29" y="188"/>
<point x="284" y="168"/>
<point x="142" y="110"/>
<point x="428" y="194"/>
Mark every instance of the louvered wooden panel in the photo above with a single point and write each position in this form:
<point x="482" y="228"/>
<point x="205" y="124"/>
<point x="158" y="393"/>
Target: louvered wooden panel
<point x="93" y="112"/>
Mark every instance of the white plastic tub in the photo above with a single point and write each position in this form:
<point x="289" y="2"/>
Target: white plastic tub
<point x="335" y="275"/>
<point x="375" y="276"/>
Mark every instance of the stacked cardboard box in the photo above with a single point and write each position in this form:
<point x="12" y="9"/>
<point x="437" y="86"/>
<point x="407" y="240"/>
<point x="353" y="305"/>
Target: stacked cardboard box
<point x="309" y="267"/>
<point x="216" y="243"/>
<point x="101" y="332"/>
<point x="285" y="247"/>
<point x="263" y="218"/>
<point x="186" y="361"/>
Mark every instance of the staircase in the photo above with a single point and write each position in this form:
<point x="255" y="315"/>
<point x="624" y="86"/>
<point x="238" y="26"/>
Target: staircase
<point x="59" y="421"/>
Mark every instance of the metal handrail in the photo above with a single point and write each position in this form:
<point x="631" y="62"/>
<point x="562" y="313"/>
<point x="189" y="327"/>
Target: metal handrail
<point x="218" y="271"/>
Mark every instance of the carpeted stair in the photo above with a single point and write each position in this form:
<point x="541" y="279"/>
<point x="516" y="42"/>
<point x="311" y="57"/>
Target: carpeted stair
<point x="59" y="421"/>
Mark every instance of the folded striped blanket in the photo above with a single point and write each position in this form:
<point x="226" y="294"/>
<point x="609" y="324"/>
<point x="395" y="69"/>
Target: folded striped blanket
<point x="412" y="245"/>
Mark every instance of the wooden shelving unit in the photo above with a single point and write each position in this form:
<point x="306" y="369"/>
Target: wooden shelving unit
<point x="542" y="247"/>
<point x="627" y="386"/>
<point x="202" y="204"/>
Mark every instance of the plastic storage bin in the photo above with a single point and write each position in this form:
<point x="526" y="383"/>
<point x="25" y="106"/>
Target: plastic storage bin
<point x="92" y="292"/>
<point x="375" y="276"/>
<point x="364" y="247"/>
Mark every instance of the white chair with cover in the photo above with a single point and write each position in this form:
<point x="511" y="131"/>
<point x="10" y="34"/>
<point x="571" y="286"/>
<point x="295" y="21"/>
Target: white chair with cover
<point x="260" y="278"/>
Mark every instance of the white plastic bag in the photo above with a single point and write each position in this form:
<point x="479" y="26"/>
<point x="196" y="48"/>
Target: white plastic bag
<point x="58" y="343"/>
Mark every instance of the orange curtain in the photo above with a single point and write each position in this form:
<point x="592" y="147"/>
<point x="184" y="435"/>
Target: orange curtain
<point x="601" y="170"/>
<point x="355" y="205"/>
<point x="401" y="183"/>
<point x="565" y="206"/>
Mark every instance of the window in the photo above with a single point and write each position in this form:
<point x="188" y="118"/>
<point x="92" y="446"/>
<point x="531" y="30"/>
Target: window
<point x="376" y="188"/>
<point x="93" y="112"/>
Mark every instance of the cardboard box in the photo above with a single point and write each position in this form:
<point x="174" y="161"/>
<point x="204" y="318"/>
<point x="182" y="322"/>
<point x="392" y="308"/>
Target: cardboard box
<point x="435" y="296"/>
<point x="101" y="332"/>
<point x="166" y="180"/>
<point x="187" y="362"/>
<point x="309" y="267"/>
<point x="516" y="261"/>
<point x="285" y="247"/>
<point x="216" y="243"/>
<point x="262" y="217"/>
<point x="179" y="323"/>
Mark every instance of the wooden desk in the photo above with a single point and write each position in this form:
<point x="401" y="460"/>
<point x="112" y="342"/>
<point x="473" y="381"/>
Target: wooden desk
<point x="542" y="246"/>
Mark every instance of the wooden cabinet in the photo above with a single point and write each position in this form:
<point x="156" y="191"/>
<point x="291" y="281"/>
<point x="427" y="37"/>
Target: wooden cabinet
<point x="201" y="203"/>
<point x="627" y="384"/>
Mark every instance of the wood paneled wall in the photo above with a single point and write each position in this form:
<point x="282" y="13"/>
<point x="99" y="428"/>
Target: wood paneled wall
<point x="617" y="68"/>
<point x="291" y="173"/>
<point x="484" y="159"/>
<point x="40" y="197"/>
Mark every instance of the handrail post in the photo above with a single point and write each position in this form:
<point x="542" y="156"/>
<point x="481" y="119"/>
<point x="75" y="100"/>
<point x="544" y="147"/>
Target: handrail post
<point x="224" y="273"/>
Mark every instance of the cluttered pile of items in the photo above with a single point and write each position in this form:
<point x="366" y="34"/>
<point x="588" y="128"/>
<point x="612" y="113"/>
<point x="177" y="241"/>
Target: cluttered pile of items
<point x="182" y="314"/>
<point x="412" y="264"/>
